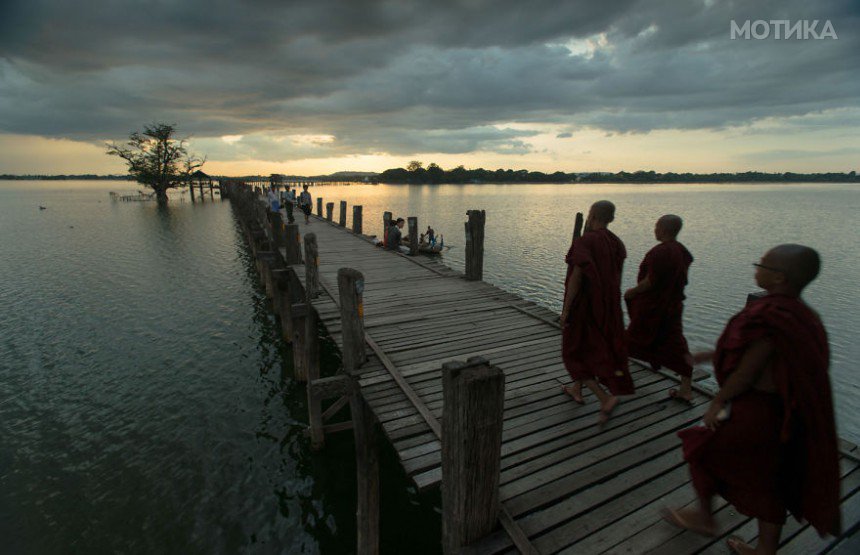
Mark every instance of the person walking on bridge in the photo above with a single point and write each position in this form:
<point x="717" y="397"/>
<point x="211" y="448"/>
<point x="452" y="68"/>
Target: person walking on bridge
<point x="593" y="345"/>
<point x="305" y="203"/>
<point x="656" y="307"/>
<point x="768" y="442"/>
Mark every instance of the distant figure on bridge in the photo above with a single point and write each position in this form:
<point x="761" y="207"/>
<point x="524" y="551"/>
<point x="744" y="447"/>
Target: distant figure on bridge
<point x="305" y="202"/>
<point x="272" y="195"/>
<point x="768" y="444"/>
<point x="289" y="202"/>
<point x="395" y="237"/>
<point x="656" y="307"/>
<point x="593" y="346"/>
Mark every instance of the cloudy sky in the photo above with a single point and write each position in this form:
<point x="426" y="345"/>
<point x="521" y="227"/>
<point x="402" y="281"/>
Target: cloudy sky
<point x="317" y="86"/>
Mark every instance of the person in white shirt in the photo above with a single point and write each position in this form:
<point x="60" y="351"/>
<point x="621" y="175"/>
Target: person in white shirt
<point x="274" y="204"/>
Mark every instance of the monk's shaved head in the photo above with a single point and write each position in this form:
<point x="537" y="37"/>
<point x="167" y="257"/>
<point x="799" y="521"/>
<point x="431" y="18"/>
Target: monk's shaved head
<point x="800" y="264"/>
<point x="670" y="224"/>
<point x="602" y="211"/>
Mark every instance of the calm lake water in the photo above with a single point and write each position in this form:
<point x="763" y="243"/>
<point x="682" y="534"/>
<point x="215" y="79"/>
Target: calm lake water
<point x="145" y="398"/>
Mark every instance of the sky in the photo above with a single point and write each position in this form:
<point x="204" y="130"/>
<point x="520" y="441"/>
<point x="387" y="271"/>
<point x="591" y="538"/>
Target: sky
<point x="314" y="87"/>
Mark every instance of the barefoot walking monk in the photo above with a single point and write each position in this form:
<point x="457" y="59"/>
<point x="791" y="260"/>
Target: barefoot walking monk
<point x="656" y="306"/>
<point x="769" y="443"/>
<point x="592" y="323"/>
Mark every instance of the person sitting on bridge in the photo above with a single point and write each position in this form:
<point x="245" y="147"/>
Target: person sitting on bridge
<point x="776" y="450"/>
<point x="395" y="237"/>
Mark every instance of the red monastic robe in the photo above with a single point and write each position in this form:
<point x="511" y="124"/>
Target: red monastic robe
<point x="656" y="332"/>
<point x="777" y="451"/>
<point x="593" y="337"/>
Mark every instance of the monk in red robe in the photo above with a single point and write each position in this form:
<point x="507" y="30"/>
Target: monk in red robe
<point x="656" y="307"/>
<point x="768" y="445"/>
<point x="592" y="342"/>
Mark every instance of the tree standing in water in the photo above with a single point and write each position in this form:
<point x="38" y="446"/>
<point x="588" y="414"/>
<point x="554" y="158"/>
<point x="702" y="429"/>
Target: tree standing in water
<point x="157" y="159"/>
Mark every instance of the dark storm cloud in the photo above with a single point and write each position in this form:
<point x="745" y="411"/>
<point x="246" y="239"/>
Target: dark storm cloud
<point x="402" y="77"/>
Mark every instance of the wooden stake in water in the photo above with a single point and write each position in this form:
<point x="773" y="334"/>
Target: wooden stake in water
<point x="386" y="223"/>
<point x="356" y="219"/>
<point x="350" y="284"/>
<point x="312" y="266"/>
<point x="474" y="397"/>
<point x="577" y="226"/>
<point x="475" y="244"/>
<point x="412" y="221"/>
<point x="367" y="468"/>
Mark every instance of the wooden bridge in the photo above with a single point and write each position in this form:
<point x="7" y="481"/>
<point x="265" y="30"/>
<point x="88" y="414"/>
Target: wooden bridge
<point x="521" y="466"/>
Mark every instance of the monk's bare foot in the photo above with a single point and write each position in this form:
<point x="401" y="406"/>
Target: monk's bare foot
<point x="693" y="520"/>
<point x="575" y="392"/>
<point x="606" y="410"/>
<point x="679" y="396"/>
<point x="737" y="545"/>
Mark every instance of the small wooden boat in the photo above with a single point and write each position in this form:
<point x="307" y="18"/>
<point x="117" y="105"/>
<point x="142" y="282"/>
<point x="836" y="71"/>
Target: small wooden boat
<point x="425" y="248"/>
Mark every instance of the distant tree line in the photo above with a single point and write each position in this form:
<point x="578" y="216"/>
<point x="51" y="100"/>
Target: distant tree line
<point x="415" y="172"/>
<point x="83" y="176"/>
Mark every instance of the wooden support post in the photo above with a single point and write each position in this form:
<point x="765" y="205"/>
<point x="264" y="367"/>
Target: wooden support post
<point x="329" y="210"/>
<point x="277" y="223"/>
<point x="268" y="265"/>
<point x="279" y="289"/>
<point x="312" y="267"/>
<point x="265" y="274"/>
<point x="288" y="295"/>
<point x="292" y="244"/>
<point x="342" y="220"/>
<point x="367" y="476"/>
<point x="412" y="222"/>
<point x="473" y="397"/>
<point x="356" y="219"/>
<point x="350" y="284"/>
<point x="300" y="317"/>
<point x="333" y="387"/>
<point x="386" y="223"/>
<point x="319" y="207"/>
<point x="475" y="244"/>
<point x="312" y="366"/>
<point x="263" y="257"/>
